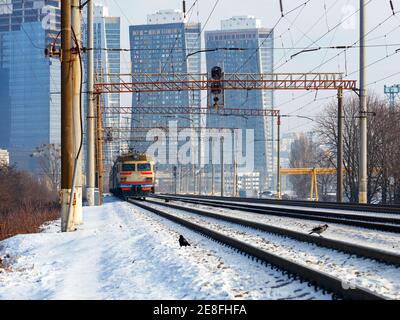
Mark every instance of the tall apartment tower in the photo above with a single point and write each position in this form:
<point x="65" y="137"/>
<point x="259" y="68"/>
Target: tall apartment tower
<point x="30" y="83"/>
<point x="246" y="32"/>
<point x="162" y="46"/>
<point x="107" y="67"/>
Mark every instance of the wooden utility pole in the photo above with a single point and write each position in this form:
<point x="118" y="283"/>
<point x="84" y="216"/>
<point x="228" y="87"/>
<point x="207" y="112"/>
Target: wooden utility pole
<point x="66" y="116"/>
<point x="100" y="169"/>
<point x="339" y="190"/>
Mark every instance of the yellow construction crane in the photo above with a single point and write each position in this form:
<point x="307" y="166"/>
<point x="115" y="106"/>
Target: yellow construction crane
<point x="313" y="172"/>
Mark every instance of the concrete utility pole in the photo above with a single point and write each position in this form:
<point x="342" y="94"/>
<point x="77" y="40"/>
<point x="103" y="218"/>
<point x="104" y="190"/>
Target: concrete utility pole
<point x="91" y="144"/>
<point x="100" y="169"/>
<point x="363" y="179"/>
<point x="77" y="111"/>
<point x="339" y="190"/>
<point x="194" y="177"/>
<point x="181" y="179"/>
<point x="212" y="166"/>
<point x="235" y="178"/>
<point x="235" y="165"/>
<point x="200" y="164"/>
<point x="222" y="167"/>
<point x="278" y="169"/>
<point x="66" y="117"/>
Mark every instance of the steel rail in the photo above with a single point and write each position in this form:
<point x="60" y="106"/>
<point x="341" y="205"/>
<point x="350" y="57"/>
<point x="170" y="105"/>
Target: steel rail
<point x="361" y="251"/>
<point x="292" y="213"/>
<point x="297" y="271"/>
<point x="303" y="203"/>
<point x="347" y="216"/>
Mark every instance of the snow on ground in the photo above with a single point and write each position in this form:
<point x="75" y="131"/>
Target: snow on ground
<point x="123" y="252"/>
<point x="376" y="276"/>
<point x="366" y="237"/>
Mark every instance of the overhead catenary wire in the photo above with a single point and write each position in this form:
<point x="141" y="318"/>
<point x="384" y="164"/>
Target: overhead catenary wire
<point x="269" y="35"/>
<point x="354" y="45"/>
<point x="333" y="47"/>
<point x="326" y="33"/>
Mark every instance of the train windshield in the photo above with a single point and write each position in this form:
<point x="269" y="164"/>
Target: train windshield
<point x="128" y="167"/>
<point x="144" y="167"/>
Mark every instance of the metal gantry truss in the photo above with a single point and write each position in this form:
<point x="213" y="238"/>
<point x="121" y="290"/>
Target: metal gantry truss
<point x="139" y="134"/>
<point x="231" y="81"/>
<point x="148" y="83"/>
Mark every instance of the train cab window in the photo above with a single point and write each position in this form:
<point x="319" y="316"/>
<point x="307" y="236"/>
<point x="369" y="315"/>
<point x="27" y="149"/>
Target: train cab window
<point x="144" y="167"/>
<point x="128" y="167"/>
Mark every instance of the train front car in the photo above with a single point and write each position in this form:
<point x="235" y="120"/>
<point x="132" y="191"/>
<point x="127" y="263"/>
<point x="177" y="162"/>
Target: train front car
<point x="133" y="177"/>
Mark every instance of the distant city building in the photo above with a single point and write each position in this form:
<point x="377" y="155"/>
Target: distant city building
<point x="162" y="46"/>
<point x="4" y="158"/>
<point x="246" y="32"/>
<point x="241" y="22"/>
<point x="249" y="184"/>
<point x="5" y="106"/>
<point x="30" y="86"/>
<point x="107" y="66"/>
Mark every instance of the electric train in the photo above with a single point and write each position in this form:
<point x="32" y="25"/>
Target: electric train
<point x="133" y="176"/>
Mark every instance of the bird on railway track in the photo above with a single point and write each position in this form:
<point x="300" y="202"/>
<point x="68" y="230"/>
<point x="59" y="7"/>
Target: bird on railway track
<point x="319" y="230"/>
<point x="183" y="242"/>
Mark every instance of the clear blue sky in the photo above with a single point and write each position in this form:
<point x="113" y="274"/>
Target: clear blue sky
<point x="300" y="28"/>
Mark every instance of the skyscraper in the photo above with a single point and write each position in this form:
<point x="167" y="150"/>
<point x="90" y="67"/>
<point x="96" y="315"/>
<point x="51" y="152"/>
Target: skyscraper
<point x="107" y="66"/>
<point x="162" y="46"/>
<point x="30" y="81"/>
<point x="245" y="32"/>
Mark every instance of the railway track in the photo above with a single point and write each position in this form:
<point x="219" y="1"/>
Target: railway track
<point x="313" y="277"/>
<point x="361" y="251"/>
<point x="389" y="209"/>
<point x="380" y="223"/>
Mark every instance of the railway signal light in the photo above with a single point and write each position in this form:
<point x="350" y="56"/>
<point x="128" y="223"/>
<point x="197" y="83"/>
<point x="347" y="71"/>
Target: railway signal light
<point x="216" y="88"/>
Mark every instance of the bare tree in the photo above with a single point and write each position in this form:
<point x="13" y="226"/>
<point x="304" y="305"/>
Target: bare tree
<point x="302" y="155"/>
<point x="383" y="144"/>
<point x="49" y="160"/>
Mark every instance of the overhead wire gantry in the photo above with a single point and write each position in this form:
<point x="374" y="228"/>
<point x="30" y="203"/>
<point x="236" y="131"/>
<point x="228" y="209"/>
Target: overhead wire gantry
<point x="147" y="83"/>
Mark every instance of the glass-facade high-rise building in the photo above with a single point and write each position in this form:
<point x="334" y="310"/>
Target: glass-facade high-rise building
<point x="107" y="67"/>
<point x="161" y="47"/>
<point x="245" y="32"/>
<point x="30" y="81"/>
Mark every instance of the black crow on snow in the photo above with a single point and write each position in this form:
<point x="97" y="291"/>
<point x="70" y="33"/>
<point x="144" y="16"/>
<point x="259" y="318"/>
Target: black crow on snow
<point x="319" y="230"/>
<point x="183" y="242"/>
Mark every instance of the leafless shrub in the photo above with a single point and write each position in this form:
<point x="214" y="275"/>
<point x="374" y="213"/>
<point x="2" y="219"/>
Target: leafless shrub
<point x="25" y="203"/>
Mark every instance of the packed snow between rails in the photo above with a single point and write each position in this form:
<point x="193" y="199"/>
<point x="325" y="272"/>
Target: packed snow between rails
<point x="122" y="252"/>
